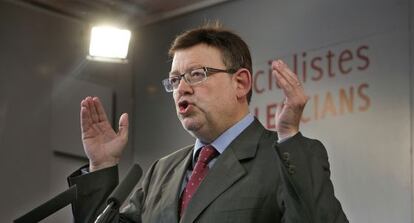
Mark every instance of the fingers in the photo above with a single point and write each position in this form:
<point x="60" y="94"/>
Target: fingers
<point x="279" y="111"/>
<point x="85" y="117"/>
<point x="100" y="110"/>
<point x="285" y="77"/>
<point x="123" y="126"/>
<point x="289" y="82"/>
<point x="92" y="112"/>
<point x="94" y="109"/>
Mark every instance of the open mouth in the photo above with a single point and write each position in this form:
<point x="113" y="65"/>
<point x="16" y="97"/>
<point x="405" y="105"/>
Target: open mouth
<point x="183" y="106"/>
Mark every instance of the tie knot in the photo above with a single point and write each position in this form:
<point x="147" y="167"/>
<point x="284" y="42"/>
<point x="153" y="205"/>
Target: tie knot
<point x="207" y="153"/>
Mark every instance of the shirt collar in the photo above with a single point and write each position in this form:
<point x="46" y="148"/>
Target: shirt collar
<point x="224" y="140"/>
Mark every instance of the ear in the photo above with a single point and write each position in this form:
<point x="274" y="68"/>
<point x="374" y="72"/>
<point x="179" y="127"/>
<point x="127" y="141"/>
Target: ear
<point x="242" y="80"/>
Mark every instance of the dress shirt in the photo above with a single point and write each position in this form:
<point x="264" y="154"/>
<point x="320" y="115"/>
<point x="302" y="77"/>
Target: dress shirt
<point x="220" y="144"/>
<point x="224" y="140"/>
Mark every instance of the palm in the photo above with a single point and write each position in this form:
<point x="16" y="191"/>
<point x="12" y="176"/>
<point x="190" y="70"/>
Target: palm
<point x="101" y="143"/>
<point x="289" y="115"/>
<point x="287" y="118"/>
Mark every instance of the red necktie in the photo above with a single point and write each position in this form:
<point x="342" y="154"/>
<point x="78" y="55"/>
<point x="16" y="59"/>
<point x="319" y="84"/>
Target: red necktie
<point x="207" y="153"/>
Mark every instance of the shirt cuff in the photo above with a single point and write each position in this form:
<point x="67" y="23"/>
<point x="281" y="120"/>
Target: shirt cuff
<point x="279" y="141"/>
<point x="85" y="170"/>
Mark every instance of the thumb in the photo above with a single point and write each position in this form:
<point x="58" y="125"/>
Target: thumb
<point x="279" y="109"/>
<point x="123" y="126"/>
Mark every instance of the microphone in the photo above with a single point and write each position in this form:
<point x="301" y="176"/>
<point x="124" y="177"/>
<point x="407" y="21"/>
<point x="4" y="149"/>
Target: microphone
<point x="117" y="197"/>
<point x="49" y="207"/>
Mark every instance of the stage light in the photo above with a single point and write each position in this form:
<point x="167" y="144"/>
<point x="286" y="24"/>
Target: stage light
<point x="109" y="44"/>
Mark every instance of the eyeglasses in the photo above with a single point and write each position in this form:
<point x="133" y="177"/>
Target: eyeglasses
<point x="192" y="77"/>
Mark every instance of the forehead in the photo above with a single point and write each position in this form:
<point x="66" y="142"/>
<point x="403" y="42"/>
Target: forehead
<point x="196" y="56"/>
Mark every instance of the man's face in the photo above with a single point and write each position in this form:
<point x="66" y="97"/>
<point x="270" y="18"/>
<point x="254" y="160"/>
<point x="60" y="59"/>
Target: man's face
<point x="205" y="109"/>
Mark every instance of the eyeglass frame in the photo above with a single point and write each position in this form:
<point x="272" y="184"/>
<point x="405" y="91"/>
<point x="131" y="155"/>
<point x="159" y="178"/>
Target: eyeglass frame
<point x="207" y="72"/>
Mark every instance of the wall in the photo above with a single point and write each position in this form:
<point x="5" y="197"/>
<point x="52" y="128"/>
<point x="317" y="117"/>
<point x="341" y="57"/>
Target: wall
<point x="370" y="150"/>
<point x="39" y="53"/>
<point x="357" y="60"/>
<point x="411" y="37"/>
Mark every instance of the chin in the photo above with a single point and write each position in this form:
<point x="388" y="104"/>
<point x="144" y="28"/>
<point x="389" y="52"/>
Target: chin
<point x="191" y="125"/>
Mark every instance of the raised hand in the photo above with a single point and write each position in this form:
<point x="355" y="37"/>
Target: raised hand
<point x="288" y="115"/>
<point x="101" y="143"/>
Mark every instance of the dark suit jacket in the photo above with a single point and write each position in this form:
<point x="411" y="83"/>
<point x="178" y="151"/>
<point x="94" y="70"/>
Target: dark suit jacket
<point x="254" y="180"/>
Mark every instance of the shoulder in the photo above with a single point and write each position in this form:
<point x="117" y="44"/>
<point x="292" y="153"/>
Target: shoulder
<point x="177" y="155"/>
<point x="167" y="164"/>
<point x="171" y="160"/>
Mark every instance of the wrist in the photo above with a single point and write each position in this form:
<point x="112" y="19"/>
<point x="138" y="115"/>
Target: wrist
<point x="98" y="166"/>
<point x="283" y="135"/>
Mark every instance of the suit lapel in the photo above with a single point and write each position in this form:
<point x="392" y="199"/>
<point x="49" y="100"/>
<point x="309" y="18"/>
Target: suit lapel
<point x="171" y="189"/>
<point x="226" y="171"/>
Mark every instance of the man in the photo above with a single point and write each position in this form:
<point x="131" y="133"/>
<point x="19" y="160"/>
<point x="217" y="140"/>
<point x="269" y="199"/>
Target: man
<point x="236" y="171"/>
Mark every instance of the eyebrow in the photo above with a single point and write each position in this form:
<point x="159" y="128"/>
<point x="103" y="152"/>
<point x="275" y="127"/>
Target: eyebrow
<point x="176" y="73"/>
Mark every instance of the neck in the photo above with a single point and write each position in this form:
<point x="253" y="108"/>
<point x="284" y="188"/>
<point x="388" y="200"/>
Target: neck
<point x="209" y="135"/>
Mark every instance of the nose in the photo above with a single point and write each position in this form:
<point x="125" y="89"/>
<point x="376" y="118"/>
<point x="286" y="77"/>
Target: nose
<point x="184" y="88"/>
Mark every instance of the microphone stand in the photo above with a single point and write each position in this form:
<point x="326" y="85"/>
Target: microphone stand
<point x="120" y="193"/>
<point x="105" y="214"/>
<point x="49" y="207"/>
